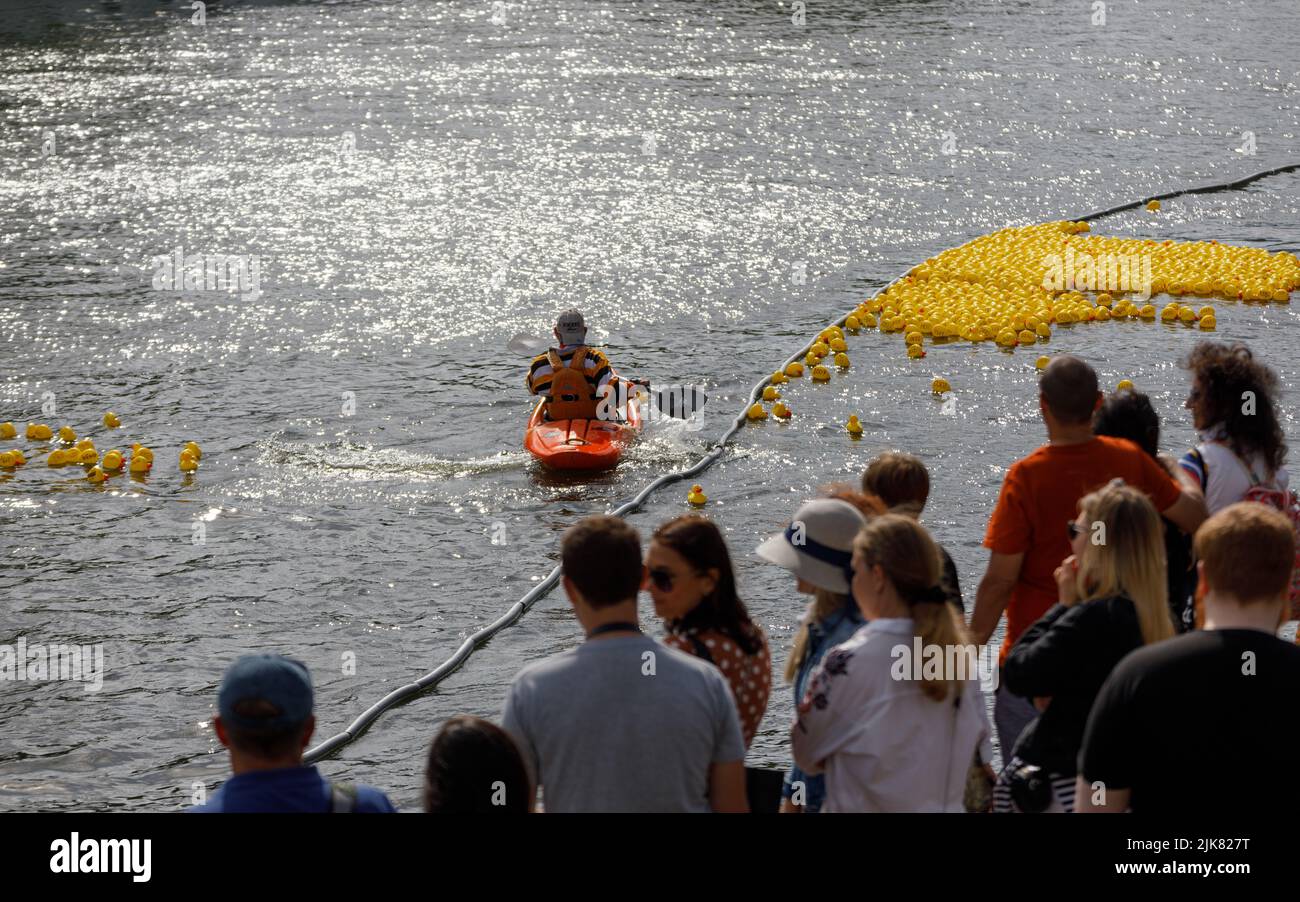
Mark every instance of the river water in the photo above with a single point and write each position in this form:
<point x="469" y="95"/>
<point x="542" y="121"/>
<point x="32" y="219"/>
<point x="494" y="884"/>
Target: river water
<point x="417" y="182"/>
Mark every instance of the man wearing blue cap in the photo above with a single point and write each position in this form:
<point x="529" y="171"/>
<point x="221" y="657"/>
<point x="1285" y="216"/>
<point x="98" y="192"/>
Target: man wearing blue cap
<point x="266" y="721"/>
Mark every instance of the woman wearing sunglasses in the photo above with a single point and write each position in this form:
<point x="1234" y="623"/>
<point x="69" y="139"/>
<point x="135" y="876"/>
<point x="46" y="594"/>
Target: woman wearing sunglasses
<point x="1113" y="598"/>
<point x="689" y="575"/>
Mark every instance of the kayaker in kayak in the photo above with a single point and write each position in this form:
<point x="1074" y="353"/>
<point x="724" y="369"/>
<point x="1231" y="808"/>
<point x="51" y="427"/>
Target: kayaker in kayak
<point x="572" y="376"/>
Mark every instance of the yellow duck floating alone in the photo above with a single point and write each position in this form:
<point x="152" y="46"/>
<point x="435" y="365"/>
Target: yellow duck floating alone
<point x="7" y="431"/>
<point x="697" y="496"/>
<point x="111" y="420"/>
<point x="854" y="427"/>
<point x="781" y="410"/>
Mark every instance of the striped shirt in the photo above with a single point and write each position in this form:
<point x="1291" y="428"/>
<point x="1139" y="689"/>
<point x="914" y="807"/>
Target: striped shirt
<point x="596" y="365"/>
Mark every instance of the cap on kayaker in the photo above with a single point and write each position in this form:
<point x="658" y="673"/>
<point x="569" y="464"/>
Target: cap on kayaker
<point x="817" y="546"/>
<point x="275" y="679"/>
<point x="570" y="327"/>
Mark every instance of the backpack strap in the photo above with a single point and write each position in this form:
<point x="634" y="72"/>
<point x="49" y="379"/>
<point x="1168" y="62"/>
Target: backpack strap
<point x="579" y="360"/>
<point x="1255" y="481"/>
<point x="343" y="798"/>
<point x="554" y="359"/>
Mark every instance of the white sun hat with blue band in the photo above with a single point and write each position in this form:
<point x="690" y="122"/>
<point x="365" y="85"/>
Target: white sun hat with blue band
<point x="817" y="546"/>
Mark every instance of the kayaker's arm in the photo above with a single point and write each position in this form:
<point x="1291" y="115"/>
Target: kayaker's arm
<point x="727" y="788"/>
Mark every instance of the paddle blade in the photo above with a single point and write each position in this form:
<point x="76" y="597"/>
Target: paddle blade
<point x="679" y="401"/>
<point x="528" y="345"/>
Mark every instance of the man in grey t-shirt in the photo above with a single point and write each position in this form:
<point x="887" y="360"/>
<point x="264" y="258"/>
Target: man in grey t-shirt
<point x="622" y="723"/>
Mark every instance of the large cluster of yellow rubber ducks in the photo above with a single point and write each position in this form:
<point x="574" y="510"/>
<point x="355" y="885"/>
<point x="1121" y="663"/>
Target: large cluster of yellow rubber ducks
<point x="66" y="450"/>
<point x="994" y="288"/>
<point x="1001" y="287"/>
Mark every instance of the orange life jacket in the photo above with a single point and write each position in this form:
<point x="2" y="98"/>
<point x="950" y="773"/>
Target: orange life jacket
<point x="571" y="397"/>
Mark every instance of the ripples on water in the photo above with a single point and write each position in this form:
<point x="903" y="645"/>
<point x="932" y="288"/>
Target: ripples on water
<point x="419" y="184"/>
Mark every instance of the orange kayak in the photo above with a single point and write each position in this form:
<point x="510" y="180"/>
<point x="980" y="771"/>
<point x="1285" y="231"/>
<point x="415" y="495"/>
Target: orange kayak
<point x="580" y="444"/>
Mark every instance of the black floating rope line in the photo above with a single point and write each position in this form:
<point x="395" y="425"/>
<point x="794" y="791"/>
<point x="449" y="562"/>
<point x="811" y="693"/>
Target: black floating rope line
<point x="520" y="607"/>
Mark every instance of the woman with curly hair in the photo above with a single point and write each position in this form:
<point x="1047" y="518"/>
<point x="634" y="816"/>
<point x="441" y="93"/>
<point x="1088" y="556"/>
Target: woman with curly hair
<point x="1234" y="409"/>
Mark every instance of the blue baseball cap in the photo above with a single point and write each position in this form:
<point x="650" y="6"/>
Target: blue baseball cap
<point x="283" y="682"/>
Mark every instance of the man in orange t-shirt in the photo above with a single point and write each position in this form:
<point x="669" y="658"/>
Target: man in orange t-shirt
<point x="1028" y="535"/>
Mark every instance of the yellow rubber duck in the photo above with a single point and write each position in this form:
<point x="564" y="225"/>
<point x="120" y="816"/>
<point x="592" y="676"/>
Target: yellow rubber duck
<point x="86" y="456"/>
<point x="1042" y="362"/>
<point x="940" y="385"/>
<point x="96" y="475"/>
<point x="7" y="430"/>
<point x="697" y="496"/>
<point x="7" y="460"/>
<point x="842" y="360"/>
<point x="57" y="458"/>
<point x="193" y="448"/>
<point x="780" y="410"/>
<point x="838" y="345"/>
<point x="39" y="432"/>
<point x="915" y="351"/>
<point x="1208" y="323"/>
<point x="779" y="378"/>
<point x="113" y="460"/>
<point x="794" y="369"/>
<point x="821" y="374"/>
<point x="1124" y="385"/>
<point x="771" y="394"/>
<point x="66" y="434"/>
<point x="1153" y="205"/>
<point x="853" y="426"/>
<point x="819" y="349"/>
<point x="85" y="443"/>
<point x="189" y="463"/>
<point x="1148" y="312"/>
<point x="1026" y="337"/>
<point x="756" y="412"/>
<point x="140" y="451"/>
<point x="18" y="456"/>
<point x="111" y="420"/>
<point x="140" y="464"/>
<point x="1187" y="315"/>
<point x="852" y="323"/>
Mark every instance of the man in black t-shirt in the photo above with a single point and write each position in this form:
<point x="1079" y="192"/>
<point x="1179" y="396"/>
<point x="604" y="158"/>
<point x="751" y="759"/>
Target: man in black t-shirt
<point x="1207" y="720"/>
